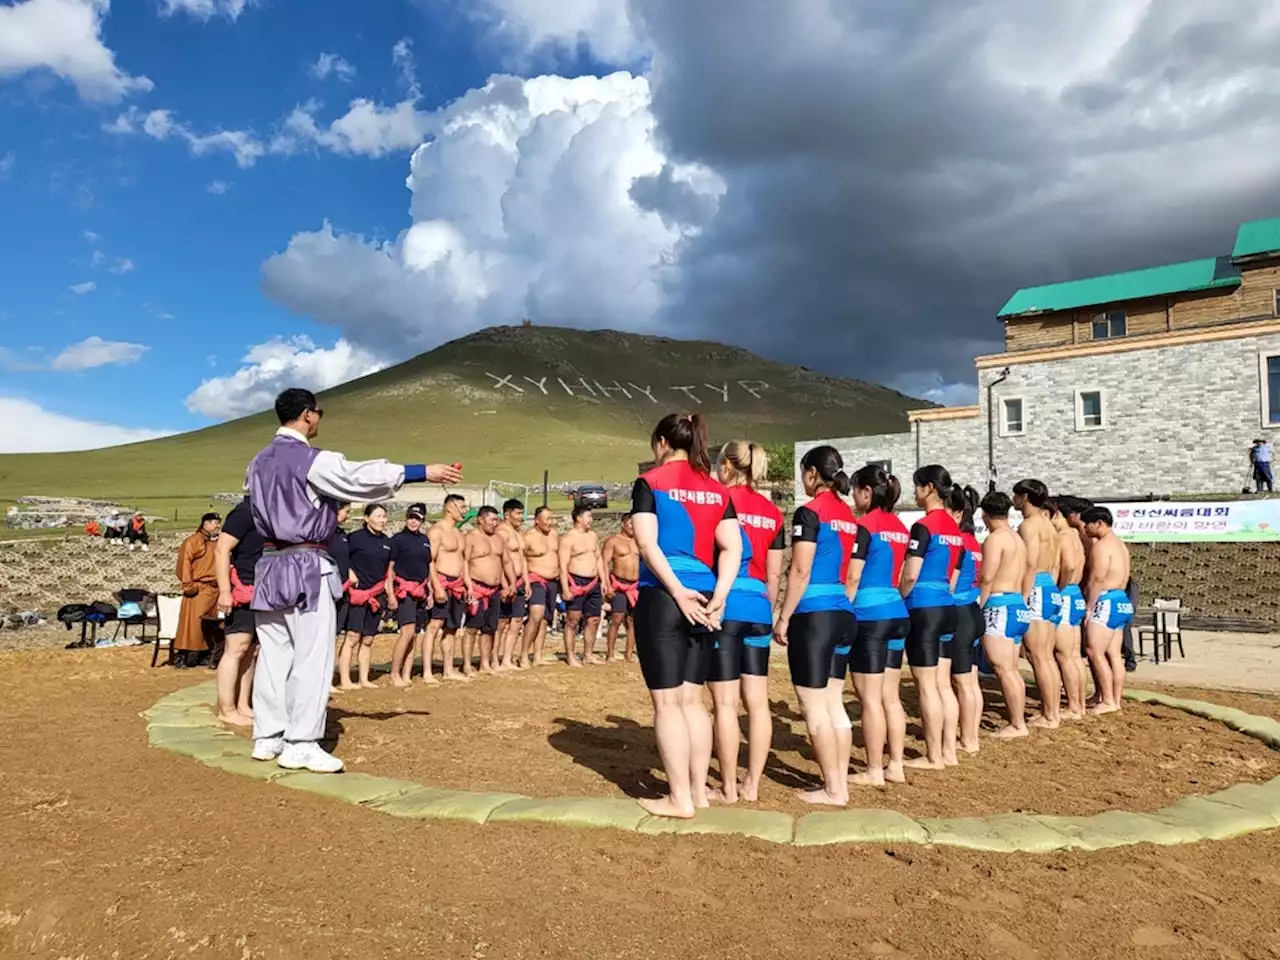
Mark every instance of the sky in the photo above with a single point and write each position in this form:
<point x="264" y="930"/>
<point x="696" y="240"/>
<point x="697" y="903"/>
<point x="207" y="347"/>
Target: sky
<point x="205" y="201"/>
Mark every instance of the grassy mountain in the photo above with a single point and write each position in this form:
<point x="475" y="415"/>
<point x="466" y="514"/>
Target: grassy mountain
<point x="451" y="404"/>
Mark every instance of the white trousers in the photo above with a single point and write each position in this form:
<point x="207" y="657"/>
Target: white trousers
<point x="295" y="669"/>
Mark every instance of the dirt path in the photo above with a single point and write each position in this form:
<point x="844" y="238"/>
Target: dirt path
<point x="115" y="849"/>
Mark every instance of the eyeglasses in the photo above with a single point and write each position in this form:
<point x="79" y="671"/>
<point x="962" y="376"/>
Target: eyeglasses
<point x="317" y="411"/>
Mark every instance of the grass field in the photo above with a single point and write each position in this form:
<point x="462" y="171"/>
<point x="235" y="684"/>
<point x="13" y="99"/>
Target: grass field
<point x="444" y="406"/>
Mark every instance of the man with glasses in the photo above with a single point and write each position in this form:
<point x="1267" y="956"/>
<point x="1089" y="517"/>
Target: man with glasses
<point x="294" y="491"/>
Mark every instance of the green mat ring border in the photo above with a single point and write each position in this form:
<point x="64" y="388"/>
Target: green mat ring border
<point x="183" y="722"/>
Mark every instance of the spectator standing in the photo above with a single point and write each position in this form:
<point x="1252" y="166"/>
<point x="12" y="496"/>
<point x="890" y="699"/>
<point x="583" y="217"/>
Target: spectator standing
<point x="1260" y="454"/>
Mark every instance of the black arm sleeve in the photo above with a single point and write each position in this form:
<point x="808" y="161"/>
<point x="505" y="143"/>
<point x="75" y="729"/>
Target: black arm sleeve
<point x="730" y="511"/>
<point x="239" y="522"/>
<point x="642" y="499"/>
<point x="804" y="528"/>
<point x="920" y="537"/>
<point x="780" y="541"/>
<point x="862" y="546"/>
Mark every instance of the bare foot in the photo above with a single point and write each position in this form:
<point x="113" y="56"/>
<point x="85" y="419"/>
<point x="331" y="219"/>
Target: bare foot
<point x="666" y="807"/>
<point x="950" y="760"/>
<point x="245" y="712"/>
<point x="1010" y="732"/>
<point x="595" y="659"/>
<point x="869" y="779"/>
<point x="486" y="669"/>
<point x="573" y="662"/>
<point x="749" y="791"/>
<point x="347" y="685"/>
<point x="1074" y="716"/>
<point x="630" y="659"/>
<point x="718" y="795"/>
<point x="369" y="684"/>
<point x="616" y="658"/>
<point x="429" y="681"/>
<point x="924" y="763"/>
<point x="452" y="675"/>
<point x="821" y="798"/>
<point x="894" y="773"/>
<point x="399" y="682"/>
<point x="970" y="748"/>
<point x="235" y="719"/>
<point x="1040" y="723"/>
<point x="1102" y="708"/>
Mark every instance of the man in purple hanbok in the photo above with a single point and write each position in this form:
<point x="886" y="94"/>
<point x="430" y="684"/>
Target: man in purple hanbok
<point x="294" y="490"/>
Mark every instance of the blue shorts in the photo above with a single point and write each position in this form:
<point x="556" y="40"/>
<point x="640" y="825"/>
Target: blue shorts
<point x="1113" y="610"/>
<point x="1046" y="601"/>
<point x="1007" y="616"/>
<point x="1073" y="606"/>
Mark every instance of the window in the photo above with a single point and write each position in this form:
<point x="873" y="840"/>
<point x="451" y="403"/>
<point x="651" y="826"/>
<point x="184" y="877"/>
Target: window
<point x="1090" y="413"/>
<point x="1012" y="423"/>
<point x="1275" y="306"/>
<point x="1107" y="326"/>
<point x="1269" y="383"/>
<point x="885" y="465"/>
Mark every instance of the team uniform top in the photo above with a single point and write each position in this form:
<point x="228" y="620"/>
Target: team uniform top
<point x="245" y="554"/>
<point x="411" y="553"/>
<point x="828" y="522"/>
<point x="370" y="554"/>
<point x="340" y="553"/>
<point x="881" y="545"/>
<point x="763" y="530"/>
<point x="689" y="505"/>
<point x="969" y="580"/>
<point x="935" y="538"/>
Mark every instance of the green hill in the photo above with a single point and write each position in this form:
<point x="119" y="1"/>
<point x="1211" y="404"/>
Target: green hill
<point x="578" y="404"/>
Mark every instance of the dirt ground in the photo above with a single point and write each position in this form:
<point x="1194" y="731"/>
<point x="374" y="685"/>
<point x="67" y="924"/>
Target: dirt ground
<point x="114" y="849"/>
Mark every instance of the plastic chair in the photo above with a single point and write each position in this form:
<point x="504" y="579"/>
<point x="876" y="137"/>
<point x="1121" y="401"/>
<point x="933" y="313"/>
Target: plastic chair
<point x="168" y="610"/>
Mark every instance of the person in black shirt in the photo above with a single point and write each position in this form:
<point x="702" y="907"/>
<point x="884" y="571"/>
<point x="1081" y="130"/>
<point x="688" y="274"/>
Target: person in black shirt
<point x="235" y="554"/>
<point x="370" y="555"/>
<point x="340" y="553"/>
<point x="410" y="593"/>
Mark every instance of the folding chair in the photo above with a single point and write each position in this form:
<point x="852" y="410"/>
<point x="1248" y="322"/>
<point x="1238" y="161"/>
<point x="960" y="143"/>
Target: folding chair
<point x="1171" y="627"/>
<point x="168" y="609"/>
<point x="144" y="599"/>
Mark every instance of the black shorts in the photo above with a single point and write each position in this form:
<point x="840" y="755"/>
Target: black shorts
<point x="755" y="660"/>
<point x="870" y="654"/>
<point x="671" y="650"/>
<point x="893" y="660"/>
<point x="516" y="608"/>
<point x="240" y="620"/>
<point x="970" y="626"/>
<point x="545" y="595"/>
<point x="411" y="610"/>
<point x="840" y="661"/>
<point x="341" y="608"/>
<point x="453" y="612"/>
<point x="619" y="605"/>
<point x="485" y="618"/>
<point x="364" y="621"/>
<point x="590" y="603"/>
<point x="928" y="626"/>
<point x="811" y="643"/>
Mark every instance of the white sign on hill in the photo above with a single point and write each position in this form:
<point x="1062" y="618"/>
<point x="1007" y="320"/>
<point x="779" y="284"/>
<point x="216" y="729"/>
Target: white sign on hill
<point x="593" y="391"/>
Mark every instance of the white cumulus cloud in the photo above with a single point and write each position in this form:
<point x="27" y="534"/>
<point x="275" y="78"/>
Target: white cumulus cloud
<point x="548" y="198"/>
<point x="605" y="26"/>
<point x="330" y="64"/>
<point x="272" y="366"/>
<point x="81" y="288"/>
<point x="96" y="352"/>
<point x="218" y="187"/>
<point x="26" y="427"/>
<point x="205" y="9"/>
<point x="161" y="125"/>
<point x="65" y="37"/>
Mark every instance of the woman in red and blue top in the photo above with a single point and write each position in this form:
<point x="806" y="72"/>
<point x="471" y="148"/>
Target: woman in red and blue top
<point x="872" y="587"/>
<point x="690" y="549"/>
<point x="740" y="665"/>
<point x="932" y="558"/>
<point x="816" y="616"/>
<point x="970" y="624"/>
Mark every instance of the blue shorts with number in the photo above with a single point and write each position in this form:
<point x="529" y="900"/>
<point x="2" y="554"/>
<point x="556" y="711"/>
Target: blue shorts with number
<point x="1008" y="616"/>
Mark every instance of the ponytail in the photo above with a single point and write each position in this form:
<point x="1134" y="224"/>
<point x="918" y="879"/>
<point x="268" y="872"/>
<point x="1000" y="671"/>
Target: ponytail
<point x="688" y="433"/>
<point x="964" y="501"/>
<point x="743" y="462"/>
<point x="829" y="465"/>
<point x="885" y="488"/>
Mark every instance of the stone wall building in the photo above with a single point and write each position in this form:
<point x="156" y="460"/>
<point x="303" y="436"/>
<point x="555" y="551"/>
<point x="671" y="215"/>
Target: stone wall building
<point x="1154" y="381"/>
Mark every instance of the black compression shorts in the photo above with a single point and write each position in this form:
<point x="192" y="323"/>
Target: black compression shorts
<point x="870" y="654"/>
<point x="364" y="621"/>
<point x="341" y="608"/>
<point x="588" y="604"/>
<point x="453" y="612"/>
<point x="239" y="620"/>
<point x="517" y="607"/>
<point x="811" y="642"/>
<point x="485" y="619"/>
<point x="411" y="610"/>
<point x="671" y="650"/>
<point x="545" y="595"/>
<point x="928" y="626"/>
<point x="970" y="626"/>
<point x="726" y="658"/>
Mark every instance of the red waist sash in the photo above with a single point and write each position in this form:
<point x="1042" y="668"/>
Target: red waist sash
<point x="368" y="598"/>
<point x="628" y="588"/>
<point x="241" y="593"/>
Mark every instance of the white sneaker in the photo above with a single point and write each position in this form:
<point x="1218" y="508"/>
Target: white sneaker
<point x="145" y="548"/>
<point x="267" y="748"/>
<point x="309" y="756"/>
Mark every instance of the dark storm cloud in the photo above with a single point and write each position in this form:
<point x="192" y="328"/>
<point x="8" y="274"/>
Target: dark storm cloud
<point x="895" y="170"/>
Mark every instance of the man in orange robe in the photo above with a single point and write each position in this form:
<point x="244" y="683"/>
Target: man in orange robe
<point x="199" y="589"/>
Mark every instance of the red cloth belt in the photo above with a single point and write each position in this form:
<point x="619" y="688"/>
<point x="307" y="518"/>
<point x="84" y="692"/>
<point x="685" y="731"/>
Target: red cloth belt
<point x="628" y="588"/>
<point x="538" y="578"/>
<point x="368" y="598"/>
<point x="241" y="593"/>
<point x="411" y="588"/>
<point x="582" y="589"/>
<point x="481" y="594"/>
<point x="454" y="586"/>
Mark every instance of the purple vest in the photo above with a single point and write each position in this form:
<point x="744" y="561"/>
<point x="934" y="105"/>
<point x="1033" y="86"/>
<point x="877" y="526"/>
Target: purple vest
<point x="283" y="513"/>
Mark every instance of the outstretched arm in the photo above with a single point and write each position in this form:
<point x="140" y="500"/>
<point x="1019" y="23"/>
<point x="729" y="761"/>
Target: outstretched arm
<point x="370" y="481"/>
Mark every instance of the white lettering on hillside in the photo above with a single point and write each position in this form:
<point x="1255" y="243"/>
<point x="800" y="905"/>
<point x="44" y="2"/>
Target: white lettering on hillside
<point x="595" y="391"/>
<point x="709" y="498"/>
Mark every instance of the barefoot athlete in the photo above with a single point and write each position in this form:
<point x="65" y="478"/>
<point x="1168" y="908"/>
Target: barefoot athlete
<point x="690" y="548"/>
<point x="1073" y="508"/>
<point x="1110" y="609"/>
<point x="879" y="550"/>
<point x="933" y="554"/>
<point x="340" y="553"/>
<point x="1040" y="587"/>
<point x="235" y="555"/>
<point x="516" y="597"/>
<point x="740" y="662"/>
<point x="621" y="559"/>
<point x="370" y="550"/>
<point x="969" y="623"/>
<point x="294" y="490"/>
<point x="450" y="592"/>
<point x="1004" y="567"/>
<point x="816" y="616"/>
<point x="199" y="590"/>
<point x="1067" y="630"/>
<point x="409" y="592"/>
<point x="485" y="576"/>
<point x="542" y="566"/>
<point x="581" y="574"/>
